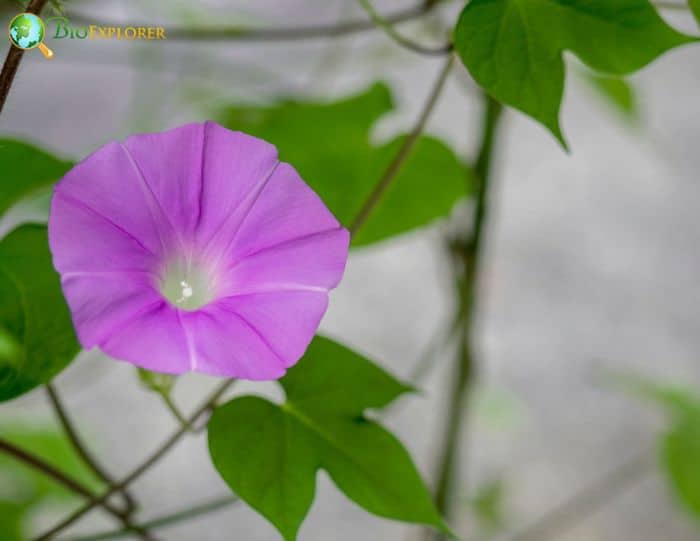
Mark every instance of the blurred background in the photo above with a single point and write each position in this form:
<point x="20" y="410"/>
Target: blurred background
<point x="592" y="264"/>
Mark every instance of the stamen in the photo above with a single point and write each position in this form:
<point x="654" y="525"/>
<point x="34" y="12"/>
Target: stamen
<point x="186" y="292"/>
<point x="187" y="284"/>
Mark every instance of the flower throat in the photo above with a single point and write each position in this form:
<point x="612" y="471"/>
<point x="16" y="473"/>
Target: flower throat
<point x="187" y="284"/>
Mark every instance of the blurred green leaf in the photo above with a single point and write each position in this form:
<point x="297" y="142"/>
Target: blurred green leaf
<point x="28" y="485"/>
<point x="680" y="449"/>
<point x="616" y="91"/>
<point x="37" y="339"/>
<point x="26" y="169"/>
<point x="23" y="489"/>
<point x="497" y="408"/>
<point x="695" y="9"/>
<point x="676" y="399"/>
<point x="680" y="443"/>
<point x="514" y="48"/>
<point x="269" y="454"/>
<point x="329" y="144"/>
<point x="488" y="506"/>
<point x="158" y="383"/>
<point x="11" y="521"/>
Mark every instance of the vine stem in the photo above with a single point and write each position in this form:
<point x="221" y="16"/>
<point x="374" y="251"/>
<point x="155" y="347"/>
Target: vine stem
<point x="14" y="57"/>
<point x="167" y="520"/>
<point x="80" y="447"/>
<point x="172" y="407"/>
<point x="588" y="501"/>
<point x="470" y="251"/>
<point x="70" y="483"/>
<point x="400" y="157"/>
<point x="209" y="404"/>
<point x="390" y="31"/>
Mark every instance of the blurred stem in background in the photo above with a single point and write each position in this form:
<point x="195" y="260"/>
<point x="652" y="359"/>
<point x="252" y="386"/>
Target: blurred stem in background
<point x="468" y="260"/>
<point x="71" y="484"/>
<point x="208" y="405"/>
<point x="398" y="37"/>
<point x="404" y="151"/>
<point x="81" y="449"/>
<point x="172" y="519"/>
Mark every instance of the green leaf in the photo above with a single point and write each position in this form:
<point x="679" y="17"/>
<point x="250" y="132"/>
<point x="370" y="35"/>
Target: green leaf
<point x="616" y="91"/>
<point x="695" y="9"/>
<point x="11" y="520"/>
<point x="26" y="169"/>
<point x="676" y="399"/>
<point x="488" y="506"/>
<point x="680" y="451"/>
<point x="269" y="454"/>
<point x="329" y="144"/>
<point x="37" y="339"/>
<point x="680" y="444"/>
<point x="514" y="48"/>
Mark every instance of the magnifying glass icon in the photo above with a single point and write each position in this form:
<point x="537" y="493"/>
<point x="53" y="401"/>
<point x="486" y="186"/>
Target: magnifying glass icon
<point x="27" y="31"/>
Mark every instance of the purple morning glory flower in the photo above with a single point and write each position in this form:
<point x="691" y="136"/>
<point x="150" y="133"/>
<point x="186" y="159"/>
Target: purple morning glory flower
<point x="195" y="249"/>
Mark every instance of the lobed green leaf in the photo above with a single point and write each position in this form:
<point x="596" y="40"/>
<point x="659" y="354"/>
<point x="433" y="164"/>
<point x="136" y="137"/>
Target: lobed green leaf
<point x="269" y="454"/>
<point x="514" y="48"/>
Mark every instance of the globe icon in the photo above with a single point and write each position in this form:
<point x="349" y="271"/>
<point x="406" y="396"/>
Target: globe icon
<point x="26" y="31"/>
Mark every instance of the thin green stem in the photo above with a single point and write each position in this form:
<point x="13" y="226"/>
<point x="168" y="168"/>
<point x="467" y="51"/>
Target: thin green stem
<point x="166" y="520"/>
<point x="404" y="151"/>
<point x="470" y="256"/>
<point x="438" y="343"/>
<point x="390" y="31"/>
<point x="143" y="467"/>
<point x="80" y="447"/>
<point x="69" y="483"/>
<point x="168" y="401"/>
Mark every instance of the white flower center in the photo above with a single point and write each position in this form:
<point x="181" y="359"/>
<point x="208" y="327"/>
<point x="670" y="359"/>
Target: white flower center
<point x="187" y="284"/>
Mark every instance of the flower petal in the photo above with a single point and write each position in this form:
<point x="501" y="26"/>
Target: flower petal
<point x="171" y="165"/>
<point x="83" y="240"/>
<point x="287" y="320"/>
<point x="109" y="183"/>
<point x="312" y="263"/>
<point x="224" y="344"/>
<point x="154" y="340"/>
<point x="103" y="302"/>
<point x="236" y="167"/>
<point x="286" y="209"/>
<point x="270" y="250"/>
